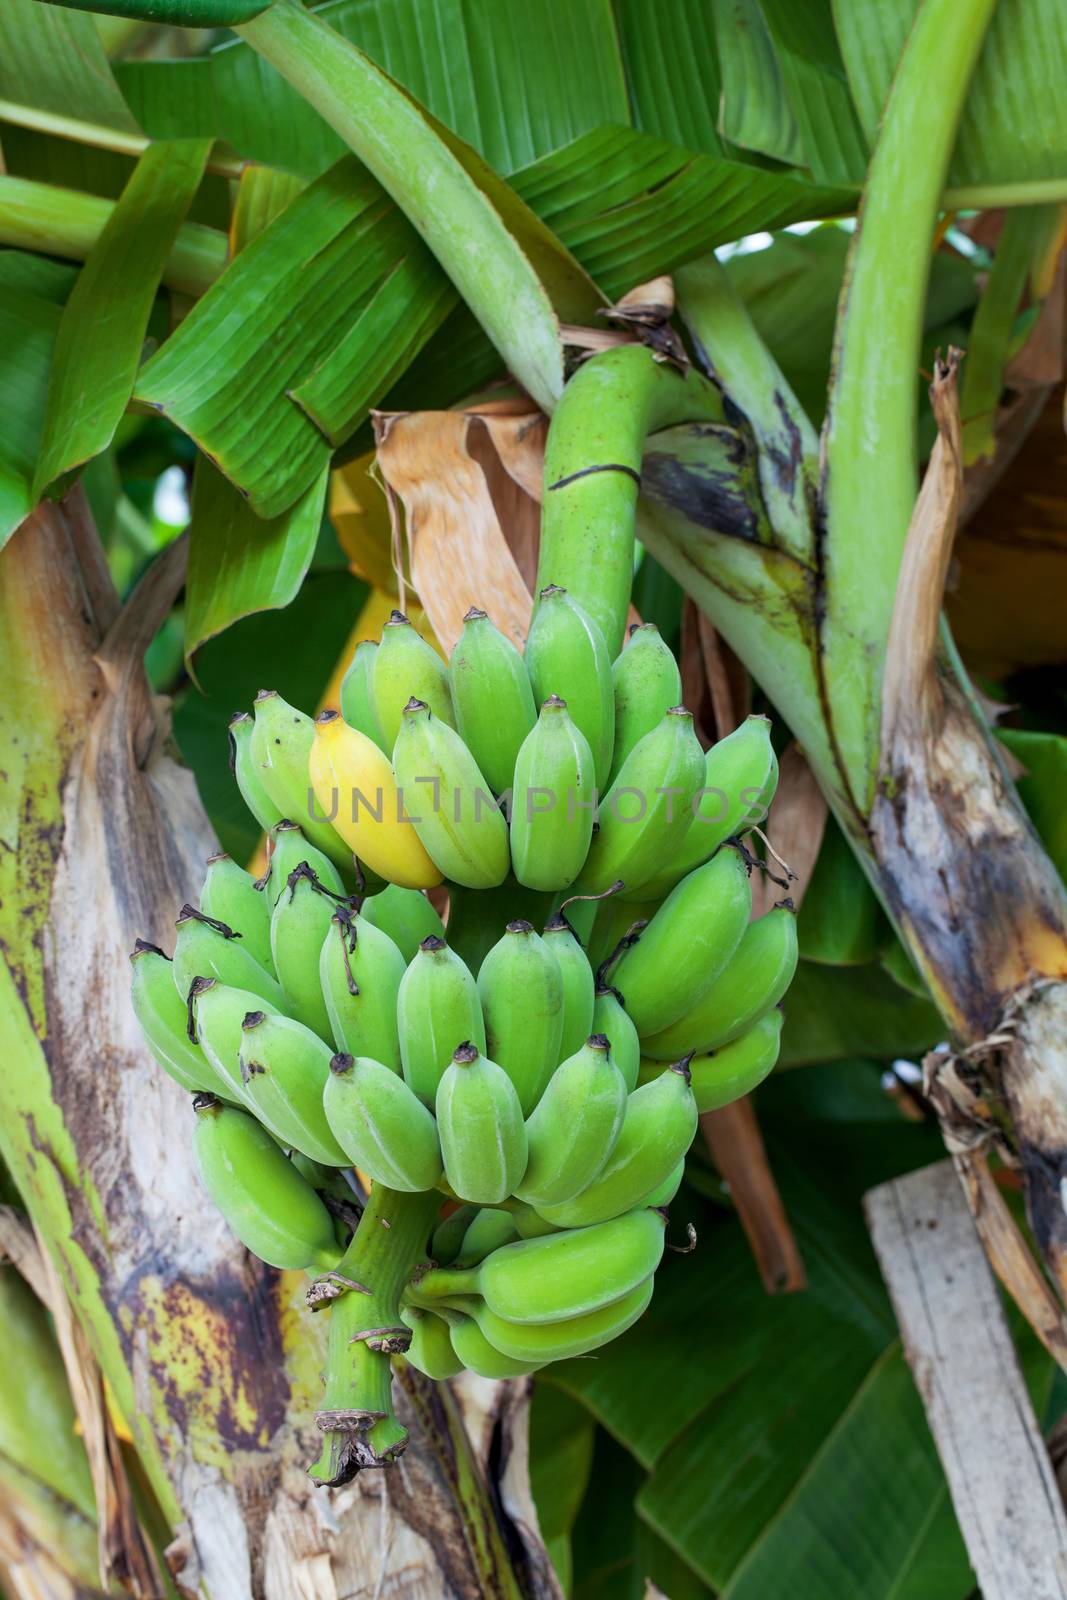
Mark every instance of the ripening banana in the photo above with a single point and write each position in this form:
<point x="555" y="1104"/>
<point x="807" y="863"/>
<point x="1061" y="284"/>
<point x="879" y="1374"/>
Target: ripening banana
<point x="656" y="1132"/>
<point x="724" y="1075"/>
<point x="678" y="955"/>
<point x="357" y="696"/>
<point x="406" y="668"/>
<point x="216" y="1016"/>
<point x="570" y="1336"/>
<point x="579" y="983"/>
<point x="290" y="849"/>
<point x="406" y="915"/>
<point x="448" y="1235"/>
<point x="230" y="894"/>
<point x="571" y="1131"/>
<point x="244" y="770"/>
<point x="207" y="949"/>
<point x="360" y="970"/>
<point x="559" y="1275"/>
<point x="263" y="1198"/>
<point x="566" y="656"/>
<point x="552" y="801"/>
<point x="298" y="930"/>
<point x="286" y="1068"/>
<point x="646" y="684"/>
<point x="355" y="787"/>
<point x="449" y="800"/>
<point x="478" y="1355"/>
<point x="281" y="745"/>
<point x="492" y="697"/>
<point x="382" y="1128"/>
<point x="752" y="982"/>
<point x="479" y="1122"/>
<point x="437" y="1010"/>
<point x="488" y="1230"/>
<point x="430" y="1351"/>
<point x="611" y="1018"/>
<point x="647" y="812"/>
<point x="521" y="991"/>
<point x="740" y="775"/>
<point x="164" y="1020"/>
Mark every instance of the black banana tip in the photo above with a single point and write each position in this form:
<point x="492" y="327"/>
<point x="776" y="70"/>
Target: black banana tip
<point x="551" y="589"/>
<point x="239" y="716"/>
<point x="475" y="614"/>
<point x="142" y="947"/>
<point x="342" y="1062"/>
<point x="679" y="711"/>
<point x="205" y="1104"/>
<point x="252" y="1019"/>
<point x="219" y="855"/>
<point x="598" y="1041"/>
<point x="519" y="926"/>
<point x="432" y="943"/>
<point x="466" y="1054"/>
<point x="415" y="704"/>
<point x="554" y="703"/>
<point x="324" y="718"/>
<point x="265" y="694"/>
<point x="557" y="924"/>
<point x="682" y="1067"/>
<point x="286" y="825"/>
<point x="397" y="619"/>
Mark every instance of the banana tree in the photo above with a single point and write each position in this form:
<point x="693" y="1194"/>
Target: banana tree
<point x="396" y="247"/>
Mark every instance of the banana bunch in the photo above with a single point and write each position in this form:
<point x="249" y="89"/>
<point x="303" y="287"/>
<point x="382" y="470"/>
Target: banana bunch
<point x="520" y="1104"/>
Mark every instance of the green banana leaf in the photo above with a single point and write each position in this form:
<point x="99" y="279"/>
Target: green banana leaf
<point x="98" y="343"/>
<point x="54" y="73"/>
<point x="29" y="324"/>
<point x="753" y="111"/>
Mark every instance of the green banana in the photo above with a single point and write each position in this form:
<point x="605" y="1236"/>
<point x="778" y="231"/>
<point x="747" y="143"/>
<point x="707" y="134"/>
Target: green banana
<point x="406" y="915"/>
<point x="407" y="668"/>
<point x="571" y="1336"/>
<point x="479" y="1356"/>
<point x="207" y="949"/>
<point x="492" y="697"/>
<point x="578" y="983"/>
<point x="263" y="1198"/>
<point x="560" y="1275"/>
<point x="281" y="747"/>
<point x="437" y="1009"/>
<point x="163" y="1017"/>
<point x="244" y="770"/>
<point x="566" y="656"/>
<point x="646" y="683"/>
<point x="611" y="1018"/>
<point x="289" y="849"/>
<point x="552" y="802"/>
<point x="647" y="811"/>
<point x="752" y="982"/>
<point x="298" y="930"/>
<point x="357" y="695"/>
<point x="430" y="1351"/>
<point x="479" y="1122"/>
<point x="230" y="894"/>
<point x="664" y="1192"/>
<point x="216" y="1015"/>
<point x="529" y="1223"/>
<point x="572" y="1130"/>
<point x="448" y="1235"/>
<point x="740" y="776"/>
<point x="656" y="1132"/>
<point x="360" y="970"/>
<point x="724" y="1075"/>
<point x="678" y="955"/>
<point x="521" y="991"/>
<point x="285" y="1068"/>
<point x="381" y="1126"/>
<point x="613" y="920"/>
<point x="489" y="1229"/>
<point x="449" y="801"/>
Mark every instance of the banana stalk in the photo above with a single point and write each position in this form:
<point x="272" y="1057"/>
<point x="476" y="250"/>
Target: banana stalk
<point x="357" y="1417"/>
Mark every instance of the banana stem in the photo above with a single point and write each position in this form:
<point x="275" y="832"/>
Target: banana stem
<point x="357" y="1419"/>
<point x="870" y="436"/>
<point x="592" y="474"/>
